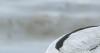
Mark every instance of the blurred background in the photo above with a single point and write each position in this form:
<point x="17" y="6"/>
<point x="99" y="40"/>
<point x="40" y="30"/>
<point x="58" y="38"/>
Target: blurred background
<point x="29" y="26"/>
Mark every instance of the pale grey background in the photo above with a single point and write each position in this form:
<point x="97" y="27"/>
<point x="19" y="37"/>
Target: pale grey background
<point x="29" y="26"/>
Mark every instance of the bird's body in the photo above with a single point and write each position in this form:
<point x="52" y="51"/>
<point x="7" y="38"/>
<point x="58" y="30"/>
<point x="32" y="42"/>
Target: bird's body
<point x="84" y="40"/>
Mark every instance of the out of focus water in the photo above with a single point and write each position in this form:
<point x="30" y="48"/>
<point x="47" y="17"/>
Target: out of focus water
<point x="29" y="26"/>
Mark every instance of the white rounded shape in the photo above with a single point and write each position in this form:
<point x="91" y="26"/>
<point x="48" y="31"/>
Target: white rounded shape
<point x="83" y="41"/>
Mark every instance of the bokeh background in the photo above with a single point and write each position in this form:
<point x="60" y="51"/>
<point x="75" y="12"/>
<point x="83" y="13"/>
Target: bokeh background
<point x="29" y="26"/>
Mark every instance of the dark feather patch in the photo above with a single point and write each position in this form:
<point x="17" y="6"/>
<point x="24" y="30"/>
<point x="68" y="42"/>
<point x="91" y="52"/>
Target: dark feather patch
<point x="59" y="44"/>
<point x="93" y="48"/>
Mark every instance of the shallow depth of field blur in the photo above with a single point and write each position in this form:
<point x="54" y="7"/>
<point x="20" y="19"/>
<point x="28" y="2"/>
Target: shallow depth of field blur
<point x="29" y="26"/>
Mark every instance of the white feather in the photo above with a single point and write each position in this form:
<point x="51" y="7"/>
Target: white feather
<point x="79" y="42"/>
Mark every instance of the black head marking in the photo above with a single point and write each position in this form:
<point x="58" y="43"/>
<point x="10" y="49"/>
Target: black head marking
<point x="60" y="42"/>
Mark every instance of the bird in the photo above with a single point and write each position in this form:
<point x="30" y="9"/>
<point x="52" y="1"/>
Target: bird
<point x="82" y="40"/>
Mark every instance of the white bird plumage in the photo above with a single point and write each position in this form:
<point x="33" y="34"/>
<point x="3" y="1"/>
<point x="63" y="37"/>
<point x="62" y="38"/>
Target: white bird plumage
<point x="86" y="40"/>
